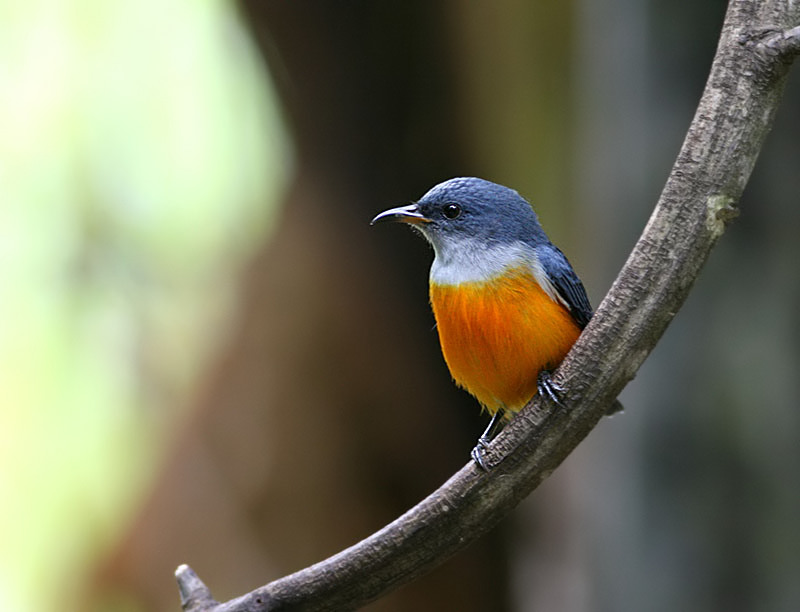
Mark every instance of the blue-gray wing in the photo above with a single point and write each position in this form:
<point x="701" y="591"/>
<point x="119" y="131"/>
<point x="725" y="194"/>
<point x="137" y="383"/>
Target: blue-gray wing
<point x="566" y="282"/>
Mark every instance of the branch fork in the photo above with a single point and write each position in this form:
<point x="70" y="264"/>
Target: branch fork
<point x="774" y="42"/>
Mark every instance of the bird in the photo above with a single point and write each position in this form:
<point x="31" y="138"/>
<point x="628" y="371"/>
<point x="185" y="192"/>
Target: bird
<point x="507" y="303"/>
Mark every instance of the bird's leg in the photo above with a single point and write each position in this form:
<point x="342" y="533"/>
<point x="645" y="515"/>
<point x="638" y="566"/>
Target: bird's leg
<point x="495" y="424"/>
<point x="548" y="388"/>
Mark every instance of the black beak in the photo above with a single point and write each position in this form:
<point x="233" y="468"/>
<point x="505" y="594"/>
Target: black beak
<point x="403" y="214"/>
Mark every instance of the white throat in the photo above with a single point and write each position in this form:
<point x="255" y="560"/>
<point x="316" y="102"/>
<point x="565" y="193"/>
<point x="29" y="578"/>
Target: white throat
<point x="468" y="261"/>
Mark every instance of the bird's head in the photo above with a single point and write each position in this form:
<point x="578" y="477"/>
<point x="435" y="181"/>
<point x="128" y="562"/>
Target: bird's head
<point x="469" y="213"/>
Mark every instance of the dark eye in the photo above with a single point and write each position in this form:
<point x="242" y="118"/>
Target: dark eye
<point x="452" y="211"/>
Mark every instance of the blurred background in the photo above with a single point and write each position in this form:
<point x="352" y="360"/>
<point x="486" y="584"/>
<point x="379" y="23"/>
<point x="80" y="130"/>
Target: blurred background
<point x="208" y="356"/>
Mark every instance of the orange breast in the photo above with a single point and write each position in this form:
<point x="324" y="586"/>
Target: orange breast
<point x="497" y="336"/>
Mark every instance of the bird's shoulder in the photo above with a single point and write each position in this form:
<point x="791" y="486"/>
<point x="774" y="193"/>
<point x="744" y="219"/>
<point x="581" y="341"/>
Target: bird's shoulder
<point x="560" y="273"/>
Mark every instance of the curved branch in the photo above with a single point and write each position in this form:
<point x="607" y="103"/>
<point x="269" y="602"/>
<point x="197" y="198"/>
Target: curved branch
<point x="734" y="115"/>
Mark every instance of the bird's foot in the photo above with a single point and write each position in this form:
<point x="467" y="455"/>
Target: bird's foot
<point x="547" y="387"/>
<point x="478" y="453"/>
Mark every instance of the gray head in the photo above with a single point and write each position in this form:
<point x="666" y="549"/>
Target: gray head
<point x="470" y="210"/>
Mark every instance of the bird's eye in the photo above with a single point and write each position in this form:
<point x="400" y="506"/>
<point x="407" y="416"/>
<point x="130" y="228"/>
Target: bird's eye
<point x="452" y="211"/>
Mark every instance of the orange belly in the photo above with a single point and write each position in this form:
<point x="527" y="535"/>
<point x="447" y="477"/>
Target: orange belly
<point x="497" y="336"/>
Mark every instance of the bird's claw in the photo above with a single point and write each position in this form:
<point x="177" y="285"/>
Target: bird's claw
<point x="478" y="453"/>
<point x="547" y="387"/>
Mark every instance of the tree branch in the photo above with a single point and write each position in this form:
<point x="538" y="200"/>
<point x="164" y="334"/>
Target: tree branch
<point x="735" y="113"/>
<point x="775" y="42"/>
